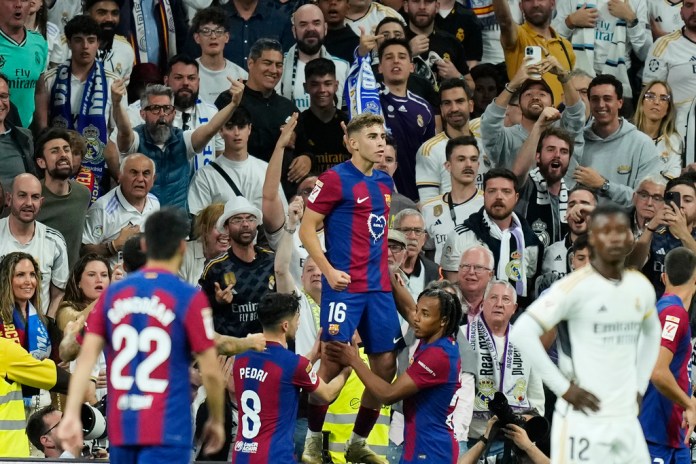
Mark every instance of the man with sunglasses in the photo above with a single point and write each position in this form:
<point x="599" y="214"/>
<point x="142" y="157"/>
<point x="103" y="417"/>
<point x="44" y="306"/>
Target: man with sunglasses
<point x="169" y="147"/>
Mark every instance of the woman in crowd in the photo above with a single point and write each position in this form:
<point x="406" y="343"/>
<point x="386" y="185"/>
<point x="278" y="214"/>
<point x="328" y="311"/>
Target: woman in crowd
<point x="209" y="244"/>
<point x="655" y="116"/>
<point x="20" y="296"/>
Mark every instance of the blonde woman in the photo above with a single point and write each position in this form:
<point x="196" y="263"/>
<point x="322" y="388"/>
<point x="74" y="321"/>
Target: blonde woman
<point x="655" y="116"/>
<point x="209" y="244"/>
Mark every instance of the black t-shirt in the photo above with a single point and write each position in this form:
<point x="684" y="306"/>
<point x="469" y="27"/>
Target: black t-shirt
<point x="342" y="43"/>
<point x="464" y="25"/>
<point x="323" y="142"/>
<point x="447" y="47"/>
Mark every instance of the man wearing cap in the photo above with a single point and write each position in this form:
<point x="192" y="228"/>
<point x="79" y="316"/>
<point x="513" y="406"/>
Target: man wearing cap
<point x="397" y="250"/>
<point x="502" y="143"/>
<point x="235" y="281"/>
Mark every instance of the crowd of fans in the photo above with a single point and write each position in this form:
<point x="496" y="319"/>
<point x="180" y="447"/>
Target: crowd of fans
<point x="231" y="109"/>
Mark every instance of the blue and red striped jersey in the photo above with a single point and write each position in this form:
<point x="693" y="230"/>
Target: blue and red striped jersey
<point x="660" y="417"/>
<point x="267" y="386"/>
<point x="429" y="434"/>
<point x="356" y="210"/>
<point x="151" y="322"/>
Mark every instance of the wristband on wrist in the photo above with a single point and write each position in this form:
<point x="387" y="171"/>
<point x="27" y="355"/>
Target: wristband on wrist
<point x="111" y="248"/>
<point x="509" y="89"/>
<point x="289" y="230"/>
<point x="483" y="440"/>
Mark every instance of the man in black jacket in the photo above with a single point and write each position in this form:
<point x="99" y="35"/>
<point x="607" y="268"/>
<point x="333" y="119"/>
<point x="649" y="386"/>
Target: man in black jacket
<point x="419" y="269"/>
<point x="16" y="143"/>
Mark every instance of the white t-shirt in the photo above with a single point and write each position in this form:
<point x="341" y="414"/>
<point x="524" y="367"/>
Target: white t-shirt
<point x="490" y="29"/>
<point x="438" y="218"/>
<point x="432" y="178"/>
<point x="111" y="213"/>
<point x="670" y="59"/>
<point x="213" y="83"/>
<point x="299" y="254"/>
<point x="48" y="248"/>
<point x="194" y="261"/>
<point x="666" y="14"/>
<point x="208" y="186"/>
<point x="376" y="13"/>
<point x="63" y="11"/>
<point x="603" y="319"/>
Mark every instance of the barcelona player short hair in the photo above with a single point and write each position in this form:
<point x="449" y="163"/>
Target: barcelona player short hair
<point x="274" y="308"/>
<point x="363" y="121"/>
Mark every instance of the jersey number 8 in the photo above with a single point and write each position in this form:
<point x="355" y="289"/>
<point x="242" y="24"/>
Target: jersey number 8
<point x="251" y="407"/>
<point x="128" y="343"/>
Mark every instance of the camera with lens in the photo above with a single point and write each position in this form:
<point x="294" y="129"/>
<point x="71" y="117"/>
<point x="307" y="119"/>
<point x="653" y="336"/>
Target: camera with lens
<point x="536" y="427"/>
<point x="94" y="420"/>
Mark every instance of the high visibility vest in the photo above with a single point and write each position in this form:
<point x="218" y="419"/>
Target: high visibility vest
<point x="341" y="416"/>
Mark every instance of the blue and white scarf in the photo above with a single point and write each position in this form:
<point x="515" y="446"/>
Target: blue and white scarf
<point x="38" y="342"/>
<point x="90" y="122"/>
<point x="361" y="91"/>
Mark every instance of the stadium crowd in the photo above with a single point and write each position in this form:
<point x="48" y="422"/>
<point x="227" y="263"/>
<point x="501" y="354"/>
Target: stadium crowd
<point x="494" y="143"/>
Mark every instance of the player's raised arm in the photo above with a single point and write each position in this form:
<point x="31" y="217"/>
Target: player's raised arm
<point x="285" y="283"/>
<point x="338" y="280"/>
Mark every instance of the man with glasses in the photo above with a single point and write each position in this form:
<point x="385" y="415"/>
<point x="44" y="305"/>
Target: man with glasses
<point x="418" y="269"/>
<point x="41" y="430"/>
<point x="648" y="200"/>
<point x="209" y="28"/>
<point x="169" y="147"/>
<point x="235" y="281"/>
<point x="670" y="60"/>
<point x="674" y="225"/>
<point x="474" y="275"/>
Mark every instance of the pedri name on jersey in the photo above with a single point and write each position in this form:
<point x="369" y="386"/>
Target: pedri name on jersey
<point x="253" y="373"/>
<point x="138" y="305"/>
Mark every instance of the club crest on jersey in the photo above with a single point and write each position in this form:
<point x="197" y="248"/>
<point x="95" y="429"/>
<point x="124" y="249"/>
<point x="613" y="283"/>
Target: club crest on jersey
<point x="315" y="192"/>
<point x="437" y="210"/>
<point x="484" y="393"/>
<point x="271" y="282"/>
<point x="333" y="329"/>
<point x="377" y="225"/>
<point x="230" y="279"/>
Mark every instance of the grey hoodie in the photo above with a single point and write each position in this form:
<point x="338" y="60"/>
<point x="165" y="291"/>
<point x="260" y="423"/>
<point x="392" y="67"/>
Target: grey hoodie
<point x="624" y="158"/>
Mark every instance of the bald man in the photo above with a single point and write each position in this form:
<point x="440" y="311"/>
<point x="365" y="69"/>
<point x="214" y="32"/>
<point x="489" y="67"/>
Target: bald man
<point x="309" y="29"/>
<point x="20" y="231"/>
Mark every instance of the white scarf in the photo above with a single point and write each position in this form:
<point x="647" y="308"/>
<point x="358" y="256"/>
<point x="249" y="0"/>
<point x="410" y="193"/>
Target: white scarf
<point x="169" y="32"/>
<point x="287" y="82"/>
<point x="505" y="264"/>
<point x="509" y="376"/>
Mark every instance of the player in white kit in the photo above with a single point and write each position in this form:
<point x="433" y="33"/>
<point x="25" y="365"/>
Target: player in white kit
<point x="608" y="341"/>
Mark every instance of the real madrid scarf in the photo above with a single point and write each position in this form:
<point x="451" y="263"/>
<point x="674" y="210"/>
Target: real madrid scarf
<point x="287" y="82"/>
<point x="509" y="376"/>
<point x="91" y="118"/>
<point x="361" y="91"/>
<point x="511" y="266"/>
<point x="542" y="207"/>
<point x="138" y="40"/>
<point x="36" y="339"/>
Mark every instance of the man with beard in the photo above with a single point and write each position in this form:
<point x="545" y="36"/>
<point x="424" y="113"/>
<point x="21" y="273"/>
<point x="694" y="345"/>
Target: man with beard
<point x="557" y="257"/>
<point x="209" y="28"/>
<point x="543" y="193"/>
<point x="235" y="281"/>
<point x="79" y="99"/>
<point x="536" y="31"/>
<point x="169" y="147"/>
<point x="65" y="201"/>
<point x="648" y="199"/>
<point x="22" y="232"/>
<point x="673" y="226"/>
<point x="309" y="29"/>
<point x="515" y="246"/>
<point x="190" y="111"/>
<point x="669" y="60"/>
<point x="119" y="214"/>
<point x="449" y="210"/>
<point x="456" y="105"/>
<point x="437" y="54"/>
<point x="340" y="39"/>
<point x="502" y="143"/>
<point x="617" y="155"/>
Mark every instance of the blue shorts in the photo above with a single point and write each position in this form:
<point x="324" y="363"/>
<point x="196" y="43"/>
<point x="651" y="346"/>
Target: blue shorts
<point x="661" y="454"/>
<point x="150" y="454"/>
<point x="373" y="314"/>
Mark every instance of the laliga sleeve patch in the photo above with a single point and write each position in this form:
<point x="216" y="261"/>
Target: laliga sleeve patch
<point x="207" y="314"/>
<point x="315" y="192"/>
<point x="669" y="331"/>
